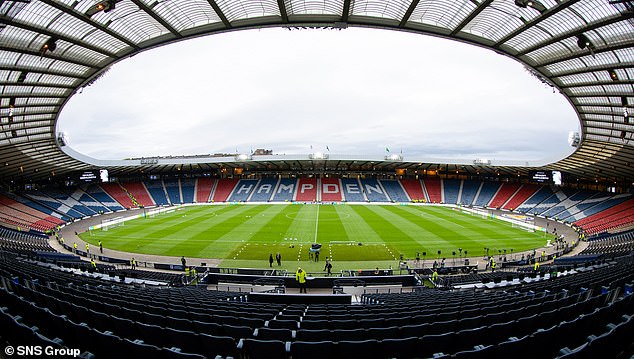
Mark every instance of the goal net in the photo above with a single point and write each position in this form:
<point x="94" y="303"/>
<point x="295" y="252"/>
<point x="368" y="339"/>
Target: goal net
<point x="526" y="227"/>
<point x="107" y="224"/>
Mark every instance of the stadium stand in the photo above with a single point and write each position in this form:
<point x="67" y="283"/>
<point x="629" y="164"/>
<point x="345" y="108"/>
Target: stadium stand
<point x="373" y="190"/>
<point x="548" y="318"/>
<point x="97" y="193"/>
<point x="352" y="190"/>
<point x="140" y="194"/>
<point x="395" y="191"/>
<point x="451" y="190"/>
<point x="620" y="215"/>
<point x="243" y="190"/>
<point x="21" y="215"/>
<point x="22" y="242"/>
<point x="71" y="202"/>
<point x="469" y="190"/>
<point x="331" y="190"/>
<point x="87" y="200"/>
<point x="115" y="191"/>
<point x="285" y="190"/>
<point x="414" y="189"/>
<point x="223" y="189"/>
<point x="188" y="189"/>
<point x="550" y="202"/>
<point x="540" y="195"/>
<point x="610" y="245"/>
<point x="53" y="204"/>
<point x="157" y="192"/>
<point x="506" y="191"/>
<point x="204" y="187"/>
<point x="526" y="191"/>
<point x="595" y="205"/>
<point x="486" y="193"/>
<point x="560" y="210"/>
<point x="433" y="188"/>
<point x="307" y="190"/>
<point x="173" y="189"/>
<point x="264" y="190"/>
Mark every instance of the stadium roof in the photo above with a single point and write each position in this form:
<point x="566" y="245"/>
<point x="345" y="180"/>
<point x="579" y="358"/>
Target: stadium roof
<point x="51" y="49"/>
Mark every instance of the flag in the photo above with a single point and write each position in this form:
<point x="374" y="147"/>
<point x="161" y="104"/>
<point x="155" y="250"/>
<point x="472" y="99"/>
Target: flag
<point x="387" y="149"/>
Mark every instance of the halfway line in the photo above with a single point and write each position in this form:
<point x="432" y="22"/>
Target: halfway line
<point x="317" y="222"/>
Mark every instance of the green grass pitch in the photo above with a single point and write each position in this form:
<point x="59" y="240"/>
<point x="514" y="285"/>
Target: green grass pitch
<point x="244" y="235"/>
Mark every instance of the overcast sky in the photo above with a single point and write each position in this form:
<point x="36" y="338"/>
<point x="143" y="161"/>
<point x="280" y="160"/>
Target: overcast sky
<point x="356" y="91"/>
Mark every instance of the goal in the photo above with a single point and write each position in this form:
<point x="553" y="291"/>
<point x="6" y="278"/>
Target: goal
<point x="110" y="223"/>
<point x="526" y="227"/>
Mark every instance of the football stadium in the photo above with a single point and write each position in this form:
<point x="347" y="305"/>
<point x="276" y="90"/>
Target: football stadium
<point x="259" y="254"/>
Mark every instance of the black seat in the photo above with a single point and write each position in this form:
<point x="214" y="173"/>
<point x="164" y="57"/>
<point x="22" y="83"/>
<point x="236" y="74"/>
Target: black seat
<point x="212" y="345"/>
<point x="401" y="348"/>
<point x="283" y="324"/>
<point x="263" y="349"/>
<point x="312" y="350"/>
<point x="358" y="349"/>
<point x="382" y="333"/>
<point x="275" y="334"/>
<point x="349" y="334"/>
<point x="314" y="335"/>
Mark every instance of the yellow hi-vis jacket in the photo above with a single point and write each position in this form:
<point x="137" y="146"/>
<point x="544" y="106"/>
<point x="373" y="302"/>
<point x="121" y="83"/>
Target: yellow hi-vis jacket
<point x="300" y="276"/>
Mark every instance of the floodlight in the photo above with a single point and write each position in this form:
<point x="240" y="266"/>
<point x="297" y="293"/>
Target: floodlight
<point x="318" y="156"/>
<point x="613" y="75"/>
<point x="534" y="4"/>
<point x="49" y="45"/>
<point x="243" y="157"/>
<point x="583" y="42"/>
<point x="105" y="6"/>
<point x="394" y="157"/>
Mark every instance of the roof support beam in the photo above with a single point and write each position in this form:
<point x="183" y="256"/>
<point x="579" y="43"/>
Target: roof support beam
<point x="155" y="16"/>
<point x="565" y="35"/>
<point x="45" y="55"/>
<point x="548" y="13"/>
<point x="597" y="83"/>
<point x="220" y="14"/>
<point x="282" y="7"/>
<point x="576" y="55"/>
<point x="346" y="10"/>
<point x="603" y="94"/>
<point x="584" y="70"/>
<point x="408" y="13"/>
<point x="35" y="84"/>
<point x="83" y="17"/>
<point x="42" y="71"/>
<point x="483" y="5"/>
<point x="21" y="25"/>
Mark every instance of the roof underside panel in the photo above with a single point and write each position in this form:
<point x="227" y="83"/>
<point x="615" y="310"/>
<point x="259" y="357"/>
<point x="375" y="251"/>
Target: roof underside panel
<point x="583" y="48"/>
<point x="321" y="7"/>
<point x="445" y="14"/>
